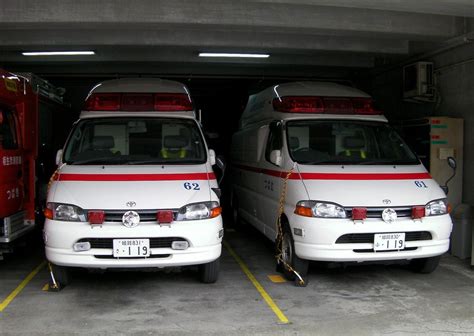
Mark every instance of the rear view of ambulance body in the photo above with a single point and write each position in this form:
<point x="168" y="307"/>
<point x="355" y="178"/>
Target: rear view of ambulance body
<point x="355" y="191"/>
<point x="135" y="185"/>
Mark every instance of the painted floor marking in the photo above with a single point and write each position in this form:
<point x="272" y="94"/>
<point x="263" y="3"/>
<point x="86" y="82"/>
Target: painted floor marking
<point x="273" y="306"/>
<point x="20" y="287"/>
<point x="276" y="278"/>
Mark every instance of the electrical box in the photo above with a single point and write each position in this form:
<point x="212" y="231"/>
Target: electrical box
<point x="418" y="82"/>
<point x="434" y="139"/>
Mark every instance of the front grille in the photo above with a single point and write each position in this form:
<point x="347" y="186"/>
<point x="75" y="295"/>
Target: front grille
<point x="372" y="250"/>
<point x="145" y="215"/>
<point x="107" y="243"/>
<point x="361" y="238"/>
<point x="153" y="256"/>
<point x="376" y="212"/>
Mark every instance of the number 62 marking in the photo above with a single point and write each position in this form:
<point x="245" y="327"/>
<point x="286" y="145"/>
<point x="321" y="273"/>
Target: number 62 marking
<point x="191" y="186"/>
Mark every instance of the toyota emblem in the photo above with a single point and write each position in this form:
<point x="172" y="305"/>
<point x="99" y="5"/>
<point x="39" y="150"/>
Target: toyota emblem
<point x="131" y="204"/>
<point x="389" y="215"/>
<point x="130" y="219"/>
<point x="386" y="201"/>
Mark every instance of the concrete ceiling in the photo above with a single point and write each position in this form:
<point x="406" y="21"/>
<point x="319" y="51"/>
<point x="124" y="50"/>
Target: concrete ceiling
<point x="165" y="37"/>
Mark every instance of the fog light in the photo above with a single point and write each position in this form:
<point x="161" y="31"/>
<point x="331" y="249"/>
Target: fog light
<point x="179" y="245"/>
<point x="82" y="246"/>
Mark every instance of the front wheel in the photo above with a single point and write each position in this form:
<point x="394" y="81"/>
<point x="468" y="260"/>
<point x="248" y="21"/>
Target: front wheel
<point x="209" y="273"/>
<point x="290" y="258"/>
<point x="425" y="265"/>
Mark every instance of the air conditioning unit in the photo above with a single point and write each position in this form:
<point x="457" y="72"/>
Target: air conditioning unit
<point x="418" y="82"/>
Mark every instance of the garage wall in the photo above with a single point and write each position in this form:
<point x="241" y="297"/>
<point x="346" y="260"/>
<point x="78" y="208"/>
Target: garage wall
<point x="454" y="71"/>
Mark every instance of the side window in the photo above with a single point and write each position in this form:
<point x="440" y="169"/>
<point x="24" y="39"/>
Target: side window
<point x="8" y="135"/>
<point x="274" y="140"/>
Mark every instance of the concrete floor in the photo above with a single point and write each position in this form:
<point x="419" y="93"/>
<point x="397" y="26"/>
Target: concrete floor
<point x="358" y="300"/>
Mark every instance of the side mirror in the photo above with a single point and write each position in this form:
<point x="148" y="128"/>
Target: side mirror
<point x="59" y="157"/>
<point x="275" y="157"/>
<point x="452" y="162"/>
<point x="212" y="157"/>
<point x="220" y="162"/>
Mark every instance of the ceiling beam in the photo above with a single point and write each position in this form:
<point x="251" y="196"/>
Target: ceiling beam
<point x="221" y="15"/>
<point x="200" y="40"/>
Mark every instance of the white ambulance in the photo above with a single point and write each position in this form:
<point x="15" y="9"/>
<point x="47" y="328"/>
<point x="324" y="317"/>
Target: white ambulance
<point x="355" y="191"/>
<point x="135" y="186"/>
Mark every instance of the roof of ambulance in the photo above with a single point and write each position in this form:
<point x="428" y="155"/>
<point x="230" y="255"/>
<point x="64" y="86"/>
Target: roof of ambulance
<point x="150" y="85"/>
<point x="259" y="112"/>
<point x="315" y="88"/>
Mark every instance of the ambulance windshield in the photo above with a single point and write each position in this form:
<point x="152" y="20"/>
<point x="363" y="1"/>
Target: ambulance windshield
<point x="346" y="142"/>
<point x="135" y="141"/>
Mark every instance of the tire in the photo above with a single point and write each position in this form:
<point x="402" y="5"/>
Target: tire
<point x="425" y="265"/>
<point x="209" y="273"/>
<point x="290" y="257"/>
<point x="61" y="275"/>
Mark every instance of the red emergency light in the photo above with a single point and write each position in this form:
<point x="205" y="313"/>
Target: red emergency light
<point x="164" y="216"/>
<point x="325" y="105"/>
<point x="418" y="212"/>
<point x="96" y="216"/>
<point x="139" y="102"/>
<point x="359" y="213"/>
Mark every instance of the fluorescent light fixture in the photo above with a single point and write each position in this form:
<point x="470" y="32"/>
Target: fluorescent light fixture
<point x="233" y="55"/>
<point x="58" y="53"/>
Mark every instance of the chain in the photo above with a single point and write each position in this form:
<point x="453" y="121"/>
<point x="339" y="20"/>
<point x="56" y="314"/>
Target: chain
<point x="279" y="238"/>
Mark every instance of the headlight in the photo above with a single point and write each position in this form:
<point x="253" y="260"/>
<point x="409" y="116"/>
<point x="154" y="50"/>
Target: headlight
<point x="64" y="212"/>
<point x="320" y="209"/>
<point x="437" y="207"/>
<point x="202" y="210"/>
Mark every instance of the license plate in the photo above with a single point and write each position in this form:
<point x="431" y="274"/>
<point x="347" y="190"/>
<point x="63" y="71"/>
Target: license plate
<point x="389" y="241"/>
<point x="124" y="248"/>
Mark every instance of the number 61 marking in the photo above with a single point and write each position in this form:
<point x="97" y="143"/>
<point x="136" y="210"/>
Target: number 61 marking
<point x="421" y="184"/>
<point x="191" y="186"/>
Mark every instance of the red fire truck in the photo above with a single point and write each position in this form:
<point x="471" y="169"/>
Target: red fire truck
<point x="18" y="151"/>
<point x="25" y="107"/>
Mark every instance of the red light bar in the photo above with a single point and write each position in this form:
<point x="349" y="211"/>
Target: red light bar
<point x="418" y="212"/>
<point x="162" y="102"/>
<point x="173" y="102"/>
<point x="298" y="104"/>
<point x="325" y="105"/>
<point x="359" y="213"/>
<point x="364" y="106"/>
<point x="137" y="102"/>
<point x="96" y="216"/>
<point x="165" y="216"/>
<point x="103" y="102"/>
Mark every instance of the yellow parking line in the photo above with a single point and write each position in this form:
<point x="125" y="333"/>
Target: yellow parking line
<point x="273" y="306"/>
<point x="20" y="287"/>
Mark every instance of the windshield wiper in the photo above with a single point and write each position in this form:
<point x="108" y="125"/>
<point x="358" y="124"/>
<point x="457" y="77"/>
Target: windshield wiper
<point x="385" y="162"/>
<point x="163" y="162"/>
<point x="100" y="161"/>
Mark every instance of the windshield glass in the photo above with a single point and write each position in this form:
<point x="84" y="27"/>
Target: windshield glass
<point x="346" y="142"/>
<point x="135" y="141"/>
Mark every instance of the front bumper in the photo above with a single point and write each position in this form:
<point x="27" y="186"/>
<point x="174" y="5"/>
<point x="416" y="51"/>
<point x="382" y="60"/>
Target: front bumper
<point x="320" y="235"/>
<point x="204" y="238"/>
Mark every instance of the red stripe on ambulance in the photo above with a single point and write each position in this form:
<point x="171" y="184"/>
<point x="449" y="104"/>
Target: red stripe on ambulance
<point x="136" y="177"/>
<point x="339" y="176"/>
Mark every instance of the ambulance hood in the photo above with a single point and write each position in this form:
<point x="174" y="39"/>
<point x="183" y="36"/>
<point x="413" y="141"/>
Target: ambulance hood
<point x="370" y="186"/>
<point x="148" y="187"/>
